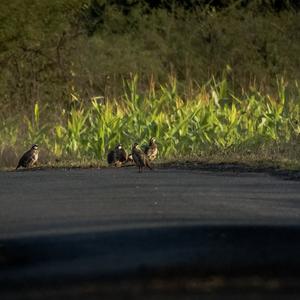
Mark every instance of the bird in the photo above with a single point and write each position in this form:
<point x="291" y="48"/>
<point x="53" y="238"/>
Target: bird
<point x="151" y="150"/>
<point x="117" y="156"/>
<point x="140" y="158"/>
<point x="130" y="158"/>
<point x="29" y="158"/>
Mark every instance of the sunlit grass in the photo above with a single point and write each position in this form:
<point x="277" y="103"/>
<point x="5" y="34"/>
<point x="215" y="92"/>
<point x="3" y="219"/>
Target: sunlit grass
<point x="215" y="123"/>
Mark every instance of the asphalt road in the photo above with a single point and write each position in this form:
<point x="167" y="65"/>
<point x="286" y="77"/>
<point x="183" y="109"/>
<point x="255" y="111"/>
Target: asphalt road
<point x="65" y="201"/>
<point x="68" y="225"/>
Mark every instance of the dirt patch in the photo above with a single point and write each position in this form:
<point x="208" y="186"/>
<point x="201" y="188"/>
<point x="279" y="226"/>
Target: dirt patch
<point x="236" y="167"/>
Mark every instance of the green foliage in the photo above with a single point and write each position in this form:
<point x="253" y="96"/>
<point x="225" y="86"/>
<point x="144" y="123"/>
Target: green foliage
<point x="50" y="48"/>
<point x="55" y="56"/>
<point x="209" y="122"/>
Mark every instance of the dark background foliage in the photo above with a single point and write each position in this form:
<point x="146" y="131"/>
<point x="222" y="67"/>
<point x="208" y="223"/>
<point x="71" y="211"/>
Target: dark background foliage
<point x="53" y="51"/>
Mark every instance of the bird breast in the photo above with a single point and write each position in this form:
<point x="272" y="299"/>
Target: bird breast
<point x="35" y="155"/>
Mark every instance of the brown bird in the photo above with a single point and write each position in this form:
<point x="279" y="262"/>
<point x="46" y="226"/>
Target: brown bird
<point x="29" y="158"/>
<point x="140" y="158"/>
<point x="130" y="158"/>
<point x="151" y="150"/>
<point x="117" y="156"/>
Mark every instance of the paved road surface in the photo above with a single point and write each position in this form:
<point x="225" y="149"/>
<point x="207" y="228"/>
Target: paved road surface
<point x="60" y="201"/>
<point x="75" y="224"/>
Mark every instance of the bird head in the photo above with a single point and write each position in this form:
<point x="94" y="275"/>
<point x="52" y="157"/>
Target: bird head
<point x="34" y="147"/>
<point x="152" y="141"/>
<point x="135" y="145"/>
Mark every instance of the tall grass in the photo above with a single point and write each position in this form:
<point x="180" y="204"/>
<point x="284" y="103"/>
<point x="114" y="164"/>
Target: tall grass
<point x="214" y="121"/>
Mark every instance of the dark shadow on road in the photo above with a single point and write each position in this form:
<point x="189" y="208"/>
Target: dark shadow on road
<point x="146" y="256"/>
<point x="202" y="249"/>
<point x="235" y="167"/>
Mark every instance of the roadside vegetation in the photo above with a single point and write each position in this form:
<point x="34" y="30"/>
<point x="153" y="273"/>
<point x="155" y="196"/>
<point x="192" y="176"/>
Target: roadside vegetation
<point x="215" y="124"/>
<point x="211" y="83"/>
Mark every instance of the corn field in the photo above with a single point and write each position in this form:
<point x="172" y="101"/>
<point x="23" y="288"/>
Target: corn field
<point x="215" y="120"/>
